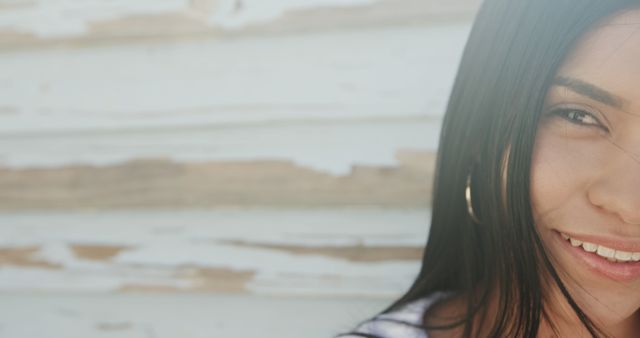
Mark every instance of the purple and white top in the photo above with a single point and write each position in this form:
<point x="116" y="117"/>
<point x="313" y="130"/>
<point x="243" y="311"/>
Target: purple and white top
<point x="390" y="325"/>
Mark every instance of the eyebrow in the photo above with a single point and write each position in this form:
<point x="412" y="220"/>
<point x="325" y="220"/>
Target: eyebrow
<point x="591" y="91"/>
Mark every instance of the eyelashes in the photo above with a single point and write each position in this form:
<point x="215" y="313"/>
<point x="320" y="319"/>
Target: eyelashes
<point x="579" y="117"/>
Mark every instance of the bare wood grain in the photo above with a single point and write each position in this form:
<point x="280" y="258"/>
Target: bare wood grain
<point x="192" y="21"/>
<point x="163" y="183"/>
<point x="24" y="256"/>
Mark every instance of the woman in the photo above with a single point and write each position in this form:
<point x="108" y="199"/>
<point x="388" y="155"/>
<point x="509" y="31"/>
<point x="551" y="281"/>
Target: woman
<point x="535" y="227"/>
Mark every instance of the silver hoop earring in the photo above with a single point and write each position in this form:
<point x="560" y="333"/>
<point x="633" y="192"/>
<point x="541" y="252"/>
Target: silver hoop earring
<point x="467" y="195"/>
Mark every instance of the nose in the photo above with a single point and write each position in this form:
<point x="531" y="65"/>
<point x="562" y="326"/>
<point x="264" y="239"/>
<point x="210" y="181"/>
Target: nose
<point x="617" y="190"/>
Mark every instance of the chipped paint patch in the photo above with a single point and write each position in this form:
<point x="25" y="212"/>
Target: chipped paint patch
<point x="164" y="183"/>
<point x="97" y="252"/>
<point x="165" y="25"/>
<point x="45" y="18"/>
<point x="207" y="279"/>
<point x="43" y="23"/>
<point x="114" y="326"/>
<point x="150" y="288"/>
<point x="359" y="253"/>
<point x="56" y="19"/>
<point x="264" y="251"/>
<point x="24" y="257"/>
<point x="234" y="14"/>
<point x="199" y="279"/>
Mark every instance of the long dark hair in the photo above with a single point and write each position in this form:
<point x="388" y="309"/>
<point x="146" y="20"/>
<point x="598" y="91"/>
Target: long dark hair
<point x="509" y="63"/>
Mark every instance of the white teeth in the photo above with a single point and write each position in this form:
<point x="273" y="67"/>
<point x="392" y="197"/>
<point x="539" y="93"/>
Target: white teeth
<point x="611" y="255"/>
<point x="575" y="242"/>
<point x="589" y="247"/>
<point x="623" y="256"/>
<point x="605" y="252"/>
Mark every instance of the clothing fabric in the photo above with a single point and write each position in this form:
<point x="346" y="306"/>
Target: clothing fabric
<point x="400" y="323"/>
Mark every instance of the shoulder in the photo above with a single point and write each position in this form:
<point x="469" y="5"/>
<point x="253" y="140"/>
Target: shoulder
<point x="405" y="322"/>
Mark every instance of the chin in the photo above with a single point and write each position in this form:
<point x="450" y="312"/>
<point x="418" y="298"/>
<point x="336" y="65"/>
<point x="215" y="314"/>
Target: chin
<point x="606" y="291"/>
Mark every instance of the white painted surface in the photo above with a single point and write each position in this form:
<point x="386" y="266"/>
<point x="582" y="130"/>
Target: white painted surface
<point x="326" y="100"/>
<point x="406" y="71"/>
<point x="162" y="241"/>
<point x="331" y="146"/>
<point x="184" y="316"/>
<point x="234" y="14"/>
<point x="69" y="18"/>
<point x="63" y="18"/>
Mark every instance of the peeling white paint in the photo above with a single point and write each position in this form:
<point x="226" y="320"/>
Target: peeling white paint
<point x="68" y="18"/>
<point x="234" y="14"/>
<point x="325" y="100"/>
<point x="307" y="227"/>
<point x="160" y="242"/>
<point x="178" y="315"/>
<point x="108" y="279"/>
<point x="72" y="18"/>
<point x="328" y="147"/>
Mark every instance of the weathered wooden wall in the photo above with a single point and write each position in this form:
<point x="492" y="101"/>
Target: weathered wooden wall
<point x="241" y="147"/>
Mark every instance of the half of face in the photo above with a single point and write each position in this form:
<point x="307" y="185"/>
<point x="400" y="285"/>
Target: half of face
<point x="585" y="178"/>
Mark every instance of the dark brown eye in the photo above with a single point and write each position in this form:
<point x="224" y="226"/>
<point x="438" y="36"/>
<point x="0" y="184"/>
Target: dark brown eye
<point x="579" y="117"/>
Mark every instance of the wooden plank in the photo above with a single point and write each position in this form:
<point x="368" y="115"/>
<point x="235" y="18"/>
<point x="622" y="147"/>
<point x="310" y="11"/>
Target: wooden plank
<point x="43" y="23"/>
<point x="387" y="72"/>
<point x="306" y="252"/>
<point x="165" y="105"/>
<point x="167" y="184"/>
<point x="184" y="316"/>
<point x="326" y="108"/>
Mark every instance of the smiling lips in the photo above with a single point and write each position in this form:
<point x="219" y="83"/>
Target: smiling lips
<point x="610" y="254"/>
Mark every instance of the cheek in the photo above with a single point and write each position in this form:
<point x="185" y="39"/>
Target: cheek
<point x="560" y="173"/>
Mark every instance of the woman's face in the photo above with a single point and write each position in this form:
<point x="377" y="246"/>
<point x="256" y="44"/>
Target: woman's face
<point x="585" y="180"/>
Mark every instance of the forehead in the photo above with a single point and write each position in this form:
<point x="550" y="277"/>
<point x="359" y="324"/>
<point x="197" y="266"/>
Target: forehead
<point x="609" y="57"/>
